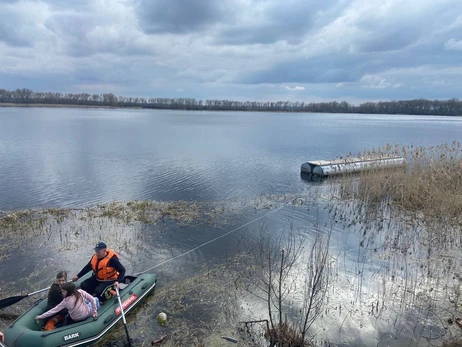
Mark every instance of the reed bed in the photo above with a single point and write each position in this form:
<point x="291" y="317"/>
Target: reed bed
<point x="408" y="225"/>
<point x="408" y="221"/>
<point x="430" y="186"/>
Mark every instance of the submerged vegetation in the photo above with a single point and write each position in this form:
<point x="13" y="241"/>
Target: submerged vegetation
<point x="131" y="211"/>
<point x="278" y="270"/>
<point x="381" y="251"/>
<point x="409" y="226"/>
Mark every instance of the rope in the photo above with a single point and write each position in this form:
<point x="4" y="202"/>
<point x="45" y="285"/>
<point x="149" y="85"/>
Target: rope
<point x="210" y="241"/>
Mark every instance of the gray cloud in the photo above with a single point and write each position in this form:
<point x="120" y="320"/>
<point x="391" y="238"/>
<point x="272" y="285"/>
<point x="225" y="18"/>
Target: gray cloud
<point x="72" y="26"/>
<point x="242" y="49"/>
<point x="389" y="40"/>
<point x="15" y="27"/>
<point x="12" y="36"/>
<point x="69" y="5"/>
<point x="178" y="16"/>
<point x="280" y="20"/>
<point x="334" y="70"/>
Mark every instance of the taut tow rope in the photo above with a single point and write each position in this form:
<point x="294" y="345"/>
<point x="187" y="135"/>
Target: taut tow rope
<point x="213" y="240"/>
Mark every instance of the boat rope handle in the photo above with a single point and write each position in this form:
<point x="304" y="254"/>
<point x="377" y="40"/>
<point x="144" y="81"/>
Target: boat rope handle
<point x="213" y="240"/>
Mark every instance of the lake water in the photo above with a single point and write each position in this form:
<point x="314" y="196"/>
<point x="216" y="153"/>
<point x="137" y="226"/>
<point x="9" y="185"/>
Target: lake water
<point x="61" y="157"/>
<point x="56" y="157"/>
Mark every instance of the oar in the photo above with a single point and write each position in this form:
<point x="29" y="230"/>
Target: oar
<point x="14" y="299"/>
<point x="123" y="317"/>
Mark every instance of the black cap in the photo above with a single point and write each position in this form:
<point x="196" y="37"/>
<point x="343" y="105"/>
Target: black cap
<point x="100" y="245"/>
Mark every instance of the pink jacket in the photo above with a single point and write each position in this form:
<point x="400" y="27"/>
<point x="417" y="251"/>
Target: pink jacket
<point x="78" y="312"/>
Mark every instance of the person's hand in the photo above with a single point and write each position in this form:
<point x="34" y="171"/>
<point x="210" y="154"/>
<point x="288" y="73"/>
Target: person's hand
<point x="116" y="284"/>
<point x="95" y="315"/>
<point x="2" y="338"/>
<point x="75" y="278"/>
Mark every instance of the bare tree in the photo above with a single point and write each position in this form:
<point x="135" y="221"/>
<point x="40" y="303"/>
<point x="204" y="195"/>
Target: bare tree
<point x="281" y="267"/>
<point x="451" y="107"/>
<point x="316" y="281"/>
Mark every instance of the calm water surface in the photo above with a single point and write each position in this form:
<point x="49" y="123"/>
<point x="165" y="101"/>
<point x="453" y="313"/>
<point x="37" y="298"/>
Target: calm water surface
<point x="79" y="157"/>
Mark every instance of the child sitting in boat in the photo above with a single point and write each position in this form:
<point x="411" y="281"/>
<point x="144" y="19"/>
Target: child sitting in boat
<point x="55" y="296"/>
<point x="78" y="302"/>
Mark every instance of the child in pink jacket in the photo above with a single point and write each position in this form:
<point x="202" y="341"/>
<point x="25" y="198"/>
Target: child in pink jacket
<point x="78" y="302"/>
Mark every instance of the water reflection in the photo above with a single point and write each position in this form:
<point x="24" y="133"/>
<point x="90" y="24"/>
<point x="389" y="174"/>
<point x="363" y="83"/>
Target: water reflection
<point x="394" y="281"/>
<point x="80" y="157"/>
<point x="379" y="295"/>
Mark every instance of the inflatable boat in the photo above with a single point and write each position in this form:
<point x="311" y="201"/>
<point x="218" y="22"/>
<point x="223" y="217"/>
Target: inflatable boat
<point x="25" y="332"/>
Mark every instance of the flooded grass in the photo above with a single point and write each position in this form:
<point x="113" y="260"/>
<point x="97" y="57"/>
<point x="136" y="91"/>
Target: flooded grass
<point x="396" y="245"/>
<point x="200" y="309"/>
<point x="408" y="223"/>
<point x="200" y="306"/>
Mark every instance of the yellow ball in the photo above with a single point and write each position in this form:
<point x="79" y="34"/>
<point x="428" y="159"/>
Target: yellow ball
<point x="162" y="319"/>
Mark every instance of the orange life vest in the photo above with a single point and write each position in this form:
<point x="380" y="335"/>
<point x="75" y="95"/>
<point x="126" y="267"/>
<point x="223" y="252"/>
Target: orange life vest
<point x="51" y="324"/>
<point x="101" y="269"/>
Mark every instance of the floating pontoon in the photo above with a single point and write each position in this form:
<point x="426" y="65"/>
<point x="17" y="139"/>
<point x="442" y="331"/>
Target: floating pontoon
<point x="324" y="168"/>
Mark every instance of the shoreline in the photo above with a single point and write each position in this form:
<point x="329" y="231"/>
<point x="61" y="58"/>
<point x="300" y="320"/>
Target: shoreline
<point x="62" y="106"/>
<point x="5" y="105"/>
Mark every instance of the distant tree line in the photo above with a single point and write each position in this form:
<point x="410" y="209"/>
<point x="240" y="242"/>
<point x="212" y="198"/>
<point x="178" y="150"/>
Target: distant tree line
<point x="451" y="107"/>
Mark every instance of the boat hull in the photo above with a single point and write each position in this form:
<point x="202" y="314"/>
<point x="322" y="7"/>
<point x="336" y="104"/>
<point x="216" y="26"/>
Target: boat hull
<point x="25" y="332"/>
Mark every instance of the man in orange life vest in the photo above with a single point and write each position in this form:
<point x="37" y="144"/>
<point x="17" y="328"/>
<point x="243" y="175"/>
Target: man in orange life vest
<point x="107" y="270"/>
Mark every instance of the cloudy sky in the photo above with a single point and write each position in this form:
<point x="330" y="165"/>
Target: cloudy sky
<point x="296" y="50"/>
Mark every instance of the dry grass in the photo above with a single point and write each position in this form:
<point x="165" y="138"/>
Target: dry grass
<point x="429" y="190"/>
<point x="452" y="344"/>
<point x="430" y="186"/>
<point x="286" y="335"/>
<point x="409" y="219"/>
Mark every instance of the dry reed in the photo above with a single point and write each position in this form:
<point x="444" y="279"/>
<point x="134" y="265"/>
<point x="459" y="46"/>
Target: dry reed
<point x="430" y="186"/>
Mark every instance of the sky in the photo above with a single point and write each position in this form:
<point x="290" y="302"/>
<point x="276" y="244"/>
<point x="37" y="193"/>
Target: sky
<point x="256" y="50"/>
